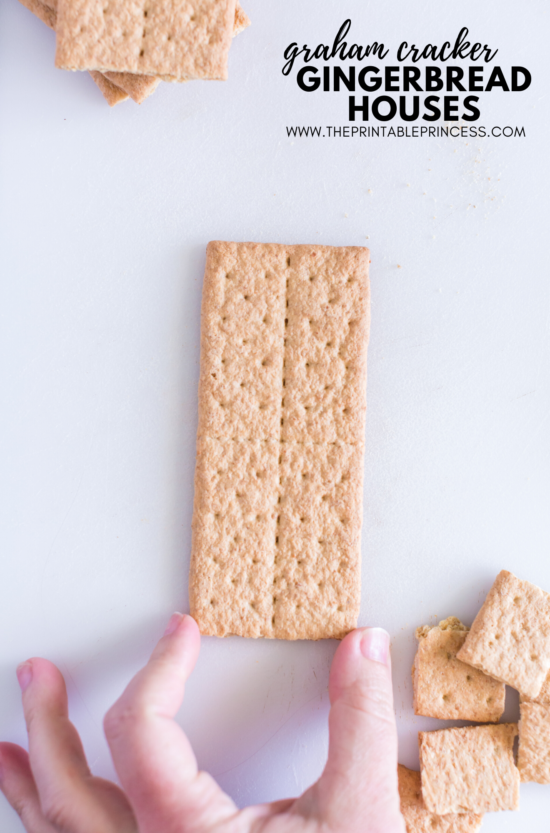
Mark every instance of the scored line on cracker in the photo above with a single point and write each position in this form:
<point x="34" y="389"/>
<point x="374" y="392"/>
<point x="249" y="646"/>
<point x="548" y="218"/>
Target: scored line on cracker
<point x="276" y="528"/>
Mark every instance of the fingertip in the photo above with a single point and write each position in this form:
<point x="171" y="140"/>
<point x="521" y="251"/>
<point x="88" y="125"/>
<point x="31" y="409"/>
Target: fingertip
<point x="357" y="650"/>
<point x="190" y="626"/>
<point x="13" y="759"/>
<point x="375" y="644"/>
<point x="181" y="623"/>
<point x="42" y="671"/>
<point x="370" y="643"/>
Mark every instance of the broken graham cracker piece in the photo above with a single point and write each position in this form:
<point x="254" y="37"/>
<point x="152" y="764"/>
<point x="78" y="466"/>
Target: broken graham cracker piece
<point x="419" y="820"/>
<point x="138" y="87"/>
<point x="111" y="92"/>
<point x="510" y="636"/>
<point x="164" y="38"/>
<point x="534" y="742"/>
<point x="449" y="689"/>
<point x="277" y="518"/>
<point x="469" y="770"/>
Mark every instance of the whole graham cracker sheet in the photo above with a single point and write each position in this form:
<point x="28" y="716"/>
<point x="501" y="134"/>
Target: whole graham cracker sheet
<point x="510" y="636"/>
<point x="278" y="482"/>
<point x="418" y="818"/>
<point x="446" y="688"/>
<point x="167" y="38"/>
<point x="469" y="770"/>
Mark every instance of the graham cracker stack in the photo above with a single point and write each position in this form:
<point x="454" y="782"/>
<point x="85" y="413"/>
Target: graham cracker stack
<point x="118" y="86"/>
<point x="278" y="483"/>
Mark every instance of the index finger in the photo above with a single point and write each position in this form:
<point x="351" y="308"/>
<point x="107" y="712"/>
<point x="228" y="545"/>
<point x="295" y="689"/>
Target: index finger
<point x="152" y="755"/>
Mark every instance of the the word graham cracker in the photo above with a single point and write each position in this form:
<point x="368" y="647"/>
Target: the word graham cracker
<point x="282" y="402"/>
<point x="510" y="636"/>
<point x="469" y="770"/>
<point x="419" y="820"/>
<point x="534" y="742"/>
<point x="167" y="38"/>
<point x="446" y="688"/>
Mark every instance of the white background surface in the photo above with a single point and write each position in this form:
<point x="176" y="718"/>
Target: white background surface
<point x="105" y="215"/>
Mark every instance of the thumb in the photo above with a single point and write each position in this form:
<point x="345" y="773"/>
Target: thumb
<point x="358" y="788"/>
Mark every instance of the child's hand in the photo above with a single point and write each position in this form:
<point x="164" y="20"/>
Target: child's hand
<point x="162" y="790"/>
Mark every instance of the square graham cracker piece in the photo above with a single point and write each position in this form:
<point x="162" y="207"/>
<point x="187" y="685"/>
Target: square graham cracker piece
<point x="419" y="820"/>
<point x="510" y="636"/>
<point x="446" y="688"/>
<point x="469" y="770"/>
<point x="534" y="742"/>
<point x="280" y="514"/>
<point x="168" y="38"/>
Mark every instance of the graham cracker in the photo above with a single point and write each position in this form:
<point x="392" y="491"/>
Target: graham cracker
<point x="112" y="93"/>
<point x="534" y="742"/>
<point x="115" y="86"/>
<point x="296" y="557"/>
<point x="510" y="636"/>
<point x="446" y="688"/>
<point x="419" y="820"/>
<point x="469" y="770"/>
<point x="165" y="38"/>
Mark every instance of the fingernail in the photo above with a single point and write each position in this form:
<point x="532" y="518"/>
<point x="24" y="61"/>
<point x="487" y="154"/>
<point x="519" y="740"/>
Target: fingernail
<point x="173" y="624"/>
<point x="375" y="645"/>
<point x="24" y="675"/>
